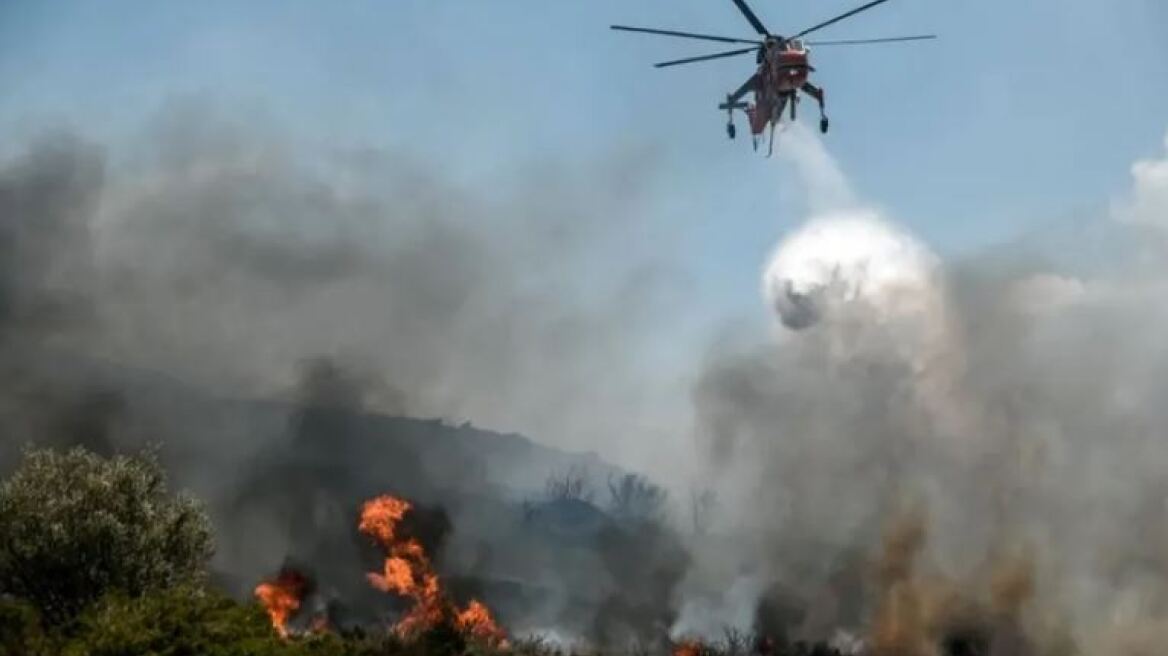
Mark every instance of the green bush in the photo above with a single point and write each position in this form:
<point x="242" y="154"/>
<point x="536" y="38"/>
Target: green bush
<point x="21" y="633"/>
<point x="196" y="621"/>
<point x="75" y="526"/>
<point x="177" y="622"/>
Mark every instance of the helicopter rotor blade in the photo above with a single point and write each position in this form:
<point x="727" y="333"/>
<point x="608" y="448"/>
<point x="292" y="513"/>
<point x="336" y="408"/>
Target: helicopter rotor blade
<point x="749" y="14"/>
<point x="691" y="60"/>
<point x="684" y="35"/>
<point x="840" y="17"/>
<point x="893" y="39"/>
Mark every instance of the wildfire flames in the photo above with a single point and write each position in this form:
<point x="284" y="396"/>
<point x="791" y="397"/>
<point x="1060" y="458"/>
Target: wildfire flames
<point x="282" y="598"/>
<point x="408" y="572"/>
<point x="688" y="648"/>
<point x="475" y="620"/>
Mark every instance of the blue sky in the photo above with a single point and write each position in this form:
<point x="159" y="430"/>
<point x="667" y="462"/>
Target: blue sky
<point x="1022" y="113"/>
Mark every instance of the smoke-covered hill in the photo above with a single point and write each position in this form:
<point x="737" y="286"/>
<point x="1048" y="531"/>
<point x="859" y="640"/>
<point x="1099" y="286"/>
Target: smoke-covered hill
<point x="164" y="290"/>
<point x="521" y="525"/>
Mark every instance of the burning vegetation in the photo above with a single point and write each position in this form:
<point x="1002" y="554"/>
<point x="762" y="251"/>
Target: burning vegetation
<point x="915" y="613"/>
<point x="690" y="648"/>
<point x="407" y="572"/>
<point x="282" y="597"/>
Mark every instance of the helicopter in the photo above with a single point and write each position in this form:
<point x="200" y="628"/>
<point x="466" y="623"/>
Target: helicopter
<point x="783" y="69"/>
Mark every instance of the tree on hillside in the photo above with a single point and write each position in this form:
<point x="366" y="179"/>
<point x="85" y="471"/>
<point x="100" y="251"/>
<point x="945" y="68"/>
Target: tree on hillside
<point x="635" y="497"/>
<point x="75" y="526"/>
<point x="570" y="485"/>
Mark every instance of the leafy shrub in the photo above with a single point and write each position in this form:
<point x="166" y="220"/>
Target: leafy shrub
<point x="190" y="620"/>
<point x="75" y="526"/>
<point x="195" y="621"/>
<point x="179" y="620"/>
<point x="21" y="633"/>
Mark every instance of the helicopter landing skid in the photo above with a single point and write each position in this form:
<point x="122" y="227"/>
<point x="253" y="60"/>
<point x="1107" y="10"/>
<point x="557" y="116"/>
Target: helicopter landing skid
<point x="730" y="106"/>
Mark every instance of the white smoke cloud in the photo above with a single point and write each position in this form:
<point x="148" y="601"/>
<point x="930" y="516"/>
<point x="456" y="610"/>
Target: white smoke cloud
<point x="846" y="254"/>
<point x="1011" y="401"/>
<point x="1047" y="292"/>
<point x="870" y="288"/>
<point x="849" y="257"/>
<point x="1148" y="202"/>
<point x="708" y="617"/>
<point x="800" y="421"/>
<point x="1022" y="405"/>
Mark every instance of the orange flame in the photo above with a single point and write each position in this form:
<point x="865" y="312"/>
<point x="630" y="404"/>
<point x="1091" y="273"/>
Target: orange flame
<point x="688" y="648"/>
<point x="282" y="597"/>
<point x="476" y="621"/>
<point x="409" y="573"/>
<point x="380" y="517"/>
<point x="320" y="624"/>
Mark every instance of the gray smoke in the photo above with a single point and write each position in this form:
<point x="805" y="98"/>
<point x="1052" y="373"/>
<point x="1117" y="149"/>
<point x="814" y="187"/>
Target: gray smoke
<point x="261" y="309"/>
<point x="222" y="255"/>
<point x="926" y="451"/>
<point x="1015" y="403"/>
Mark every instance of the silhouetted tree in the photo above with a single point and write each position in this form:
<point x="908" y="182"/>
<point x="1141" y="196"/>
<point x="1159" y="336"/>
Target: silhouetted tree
<point x="634" y="497"/>
<point x="570" y="485"/>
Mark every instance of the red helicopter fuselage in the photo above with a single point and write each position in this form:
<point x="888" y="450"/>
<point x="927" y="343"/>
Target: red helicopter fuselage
<point x="783" y="71"/>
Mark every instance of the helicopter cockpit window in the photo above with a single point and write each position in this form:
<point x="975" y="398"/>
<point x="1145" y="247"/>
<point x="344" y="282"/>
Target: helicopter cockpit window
<point x="796" y="45"/>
